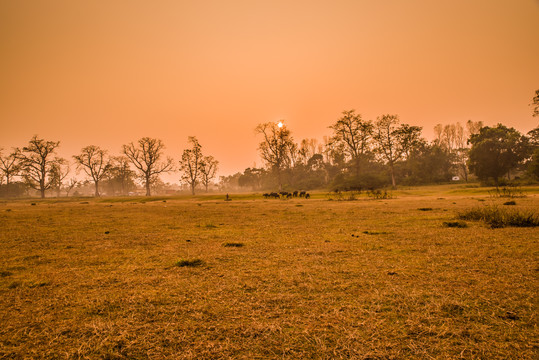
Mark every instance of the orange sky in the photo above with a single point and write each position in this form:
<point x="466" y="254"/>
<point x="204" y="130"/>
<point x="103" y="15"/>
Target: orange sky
<point x="107" y="72"/>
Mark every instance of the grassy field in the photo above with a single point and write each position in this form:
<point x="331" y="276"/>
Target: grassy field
<point x="305" y="279"/>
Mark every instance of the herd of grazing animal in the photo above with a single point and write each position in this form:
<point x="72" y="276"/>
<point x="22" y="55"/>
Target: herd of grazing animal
<point x="286" y="195"/>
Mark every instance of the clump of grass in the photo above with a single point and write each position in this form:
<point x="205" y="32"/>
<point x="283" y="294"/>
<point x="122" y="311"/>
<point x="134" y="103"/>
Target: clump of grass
<point x="210" y="226"/>
<point x="379" y="194"/>
<point x="233" y="244"/>
<point x="425" y="209"/>
<point x="189" y="263"/>
<point x="509" y="203"/>
<point x="497" y="217"/>
<point x="15" y="284"/>
<point x="5" y="273"/>
<point x="509" y="191"/>
<point x="374" y="232"/>
<point x="455" y="224"/>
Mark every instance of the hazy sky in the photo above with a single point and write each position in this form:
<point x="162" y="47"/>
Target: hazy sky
<point x="107" y="72"/>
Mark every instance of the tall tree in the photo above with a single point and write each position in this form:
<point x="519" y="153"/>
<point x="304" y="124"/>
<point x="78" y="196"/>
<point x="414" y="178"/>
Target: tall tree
<point x="208" y="170"/>
<point x="94" y="162"/>
<point x="9" y="167"/>
<point x="394" y="141"/>
<point x="276" y="148"/>
<point x="496" y="151"/>
<point x="37" y="163"/>
<point x="146" y="156"/>
<point x="354" y="134"/>
<point x="191" y="162"/>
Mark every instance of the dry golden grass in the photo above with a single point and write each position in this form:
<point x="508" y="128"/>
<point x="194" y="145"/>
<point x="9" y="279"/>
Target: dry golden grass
<point x="319" y="279"/>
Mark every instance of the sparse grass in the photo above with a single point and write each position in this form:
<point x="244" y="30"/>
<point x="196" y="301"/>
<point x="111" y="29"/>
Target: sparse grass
<point x="498" y="217"/>
<point x="301" y="288"/>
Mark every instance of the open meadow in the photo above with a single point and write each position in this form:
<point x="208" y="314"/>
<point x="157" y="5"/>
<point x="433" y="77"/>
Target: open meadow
<point x="255" y="278"/>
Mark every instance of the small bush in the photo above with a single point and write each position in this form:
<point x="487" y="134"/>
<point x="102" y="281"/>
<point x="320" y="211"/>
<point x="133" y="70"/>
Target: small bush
<point x="379" y="194"/>
<point x="425" y="209"/>
<point x="509" y="203"/>
<point x="455" y="224"/>
<point x="497" y="217"/>
<point x="189" y="263"/>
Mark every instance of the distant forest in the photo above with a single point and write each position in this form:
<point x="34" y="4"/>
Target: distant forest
<point x="358" y="155"/>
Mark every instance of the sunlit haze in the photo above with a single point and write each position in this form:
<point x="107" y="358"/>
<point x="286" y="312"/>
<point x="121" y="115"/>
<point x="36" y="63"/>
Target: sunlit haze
<point x="110" y="72"/>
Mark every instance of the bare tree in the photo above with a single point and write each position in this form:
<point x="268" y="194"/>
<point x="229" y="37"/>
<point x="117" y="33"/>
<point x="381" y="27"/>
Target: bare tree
<point x="354" y="134"/>
<point x="71" y="184"/>
<point x="307" y="149"/>
<point x="59" y="171"/>
<point x="277" y="148"/>
<point x="95" y="163"/>
<point x="394" y="141"/>
<point x="190" y="164"/>
<point x="208" y="169"/>
<point x="9" y="167"/>
<point x="36" y="163"/>
<point x="146" y="157"/>
<point x="473" y="127"/>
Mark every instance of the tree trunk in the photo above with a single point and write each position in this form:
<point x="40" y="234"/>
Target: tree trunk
<point x="42" y="190"/>
<point x="393" y="182"/>
<point x="193" y="189"/>
<point x="96" y="189"/>
<point x="148" y="192"/>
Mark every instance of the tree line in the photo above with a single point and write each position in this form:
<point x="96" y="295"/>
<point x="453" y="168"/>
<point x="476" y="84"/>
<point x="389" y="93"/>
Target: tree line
<point x="358" y="154"/>
<point x="39" y="167"/>
<point x="364" y="154"/>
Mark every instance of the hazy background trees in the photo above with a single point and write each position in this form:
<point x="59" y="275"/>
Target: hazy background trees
<point x="146" y="156"/>
<point x="394" y="141"/>
<point x="352" y="134"/>
<point x="208" y="170"/>
<point x="190" y="164"/>
<point x="94" y="162"/>
<point x="38" y="165"/>
<point x="9" y="168"/>
<point x="277" y="149"/>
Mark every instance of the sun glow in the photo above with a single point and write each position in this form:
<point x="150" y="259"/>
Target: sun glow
<point x="280" y="124"/>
